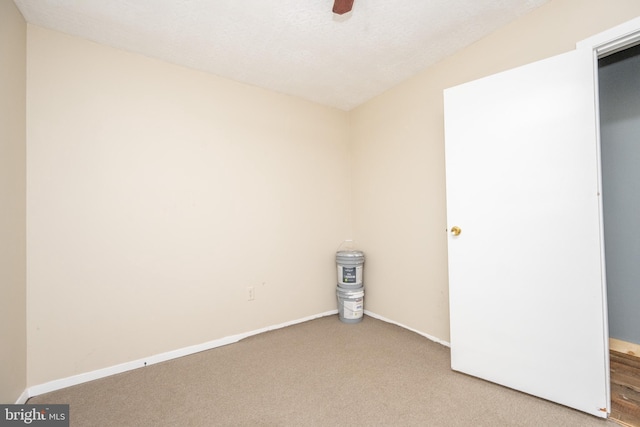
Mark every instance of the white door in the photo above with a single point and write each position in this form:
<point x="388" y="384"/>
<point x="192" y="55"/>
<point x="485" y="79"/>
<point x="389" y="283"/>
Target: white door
<point x="525" y="273"/>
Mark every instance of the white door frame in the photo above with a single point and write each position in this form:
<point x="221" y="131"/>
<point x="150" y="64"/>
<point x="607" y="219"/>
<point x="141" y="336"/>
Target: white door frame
<point x="613" y="40"/>
<point x="608" y="42"/>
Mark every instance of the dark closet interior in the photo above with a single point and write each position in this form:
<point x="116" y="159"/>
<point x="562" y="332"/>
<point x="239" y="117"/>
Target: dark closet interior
<point x="619" y="86"/>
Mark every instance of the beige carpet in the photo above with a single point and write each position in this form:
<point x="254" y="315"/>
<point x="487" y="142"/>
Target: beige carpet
<point x="318" y="373"/>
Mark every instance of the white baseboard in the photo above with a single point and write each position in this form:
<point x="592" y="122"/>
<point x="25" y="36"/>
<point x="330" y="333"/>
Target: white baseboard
<point x="23" y="398"/>
<point x="185" y="351"/>
<point x="151" y="360"/>
<point x="384" y="319"/>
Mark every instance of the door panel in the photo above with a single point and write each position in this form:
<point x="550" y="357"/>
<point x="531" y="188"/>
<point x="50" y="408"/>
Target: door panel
<point x="525" y="273"/>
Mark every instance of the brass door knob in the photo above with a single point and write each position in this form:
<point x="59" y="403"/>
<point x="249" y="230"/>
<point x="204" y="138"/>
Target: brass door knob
<point x="455" y="230"/>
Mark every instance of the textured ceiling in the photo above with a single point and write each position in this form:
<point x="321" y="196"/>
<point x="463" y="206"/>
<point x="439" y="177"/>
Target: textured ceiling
<point x="297" y="47"/>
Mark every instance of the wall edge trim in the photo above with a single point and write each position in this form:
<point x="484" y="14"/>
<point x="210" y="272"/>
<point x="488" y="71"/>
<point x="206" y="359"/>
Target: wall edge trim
<point x="22" y="398"/>
<point x="157" y="358"/>
<point x="430" y="337"/>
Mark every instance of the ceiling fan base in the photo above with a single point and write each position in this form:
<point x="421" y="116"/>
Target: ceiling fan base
<point x="340" y="7"/>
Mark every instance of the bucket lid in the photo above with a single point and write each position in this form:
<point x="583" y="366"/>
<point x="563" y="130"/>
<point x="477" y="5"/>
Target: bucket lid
<point x="350" y="254"/>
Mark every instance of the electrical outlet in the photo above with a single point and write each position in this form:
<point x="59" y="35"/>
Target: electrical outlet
<point x="251" y="292"/>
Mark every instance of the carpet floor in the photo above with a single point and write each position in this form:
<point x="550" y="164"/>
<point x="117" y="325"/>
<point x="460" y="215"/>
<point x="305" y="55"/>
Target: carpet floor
<point x="318" y="373"/>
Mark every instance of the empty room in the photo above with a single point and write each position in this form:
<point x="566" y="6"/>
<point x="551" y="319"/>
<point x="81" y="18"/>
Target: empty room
<point x="176" y="178"/>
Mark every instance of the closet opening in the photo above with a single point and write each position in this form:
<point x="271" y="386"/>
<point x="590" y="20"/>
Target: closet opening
<point x="619" y="105"/>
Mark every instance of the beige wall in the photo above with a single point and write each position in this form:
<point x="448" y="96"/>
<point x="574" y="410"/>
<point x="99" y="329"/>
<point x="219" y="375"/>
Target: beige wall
<point x="157" y="194"/>
<point x="13" y="36"/>
<point x="399" y="210"/>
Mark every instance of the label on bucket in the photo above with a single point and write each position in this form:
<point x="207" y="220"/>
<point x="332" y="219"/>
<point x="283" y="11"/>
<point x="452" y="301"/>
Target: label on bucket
<point x="350" y="274"/>
<point x="353" y="309"/>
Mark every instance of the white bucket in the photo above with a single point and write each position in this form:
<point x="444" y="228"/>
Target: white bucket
<point x="350" y="266"/>
<point x="350" y="304"/>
